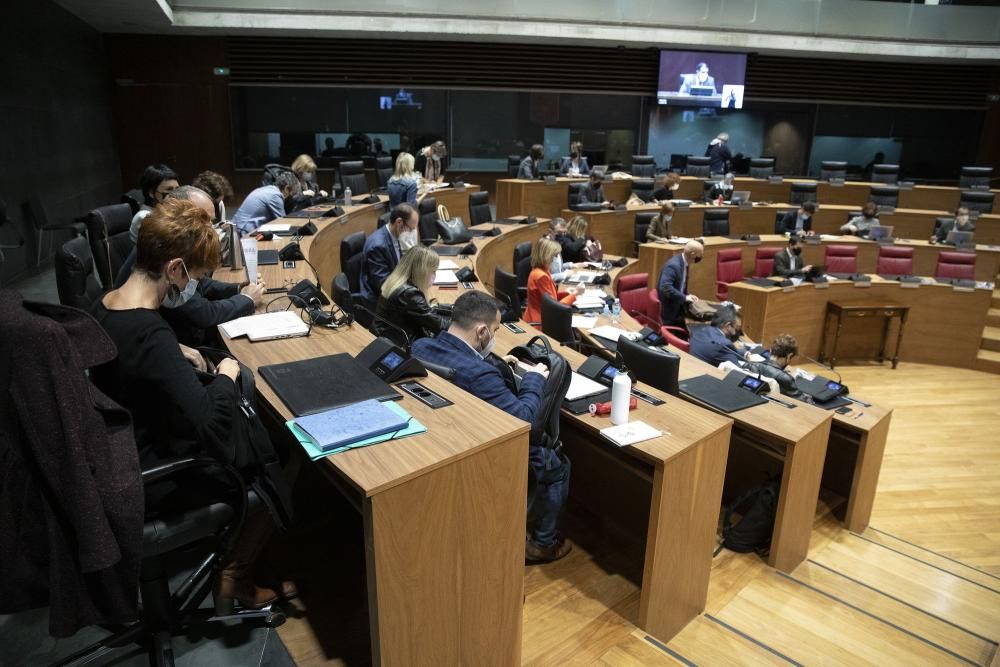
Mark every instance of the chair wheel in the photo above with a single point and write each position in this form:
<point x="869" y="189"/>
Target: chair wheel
<point x="275" y="619"/>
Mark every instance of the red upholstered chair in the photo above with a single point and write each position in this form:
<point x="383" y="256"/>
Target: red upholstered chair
<point x="653" y="314"/>
<point x="673" y="336"/>
<point x="763" y="263"/>
<point x="895" y="261"/>
<point x="634" y="295"/>
<point x="842" y="259"/>
<point x="728" y="269"/>
<point x="960" y="265"/>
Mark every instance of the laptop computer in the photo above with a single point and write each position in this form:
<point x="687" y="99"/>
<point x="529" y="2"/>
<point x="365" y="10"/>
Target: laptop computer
<point x="959" y="238"/>
<point x="720" y="395"/>
<point x="739" y="197"/>
<point x="314" y="385"/>
<point x="881" y="234"/>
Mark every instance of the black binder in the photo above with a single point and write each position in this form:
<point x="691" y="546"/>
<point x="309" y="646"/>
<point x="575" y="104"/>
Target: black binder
<point x="315" y="385"/>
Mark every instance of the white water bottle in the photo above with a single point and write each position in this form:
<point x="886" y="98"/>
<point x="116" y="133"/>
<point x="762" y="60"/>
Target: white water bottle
<point x="621" y="395"/>
<point x="347" y="196"/>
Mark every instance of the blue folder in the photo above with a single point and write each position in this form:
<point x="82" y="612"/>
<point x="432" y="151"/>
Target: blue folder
<point x="339" y="427"/>
<point x="313" y="450"/>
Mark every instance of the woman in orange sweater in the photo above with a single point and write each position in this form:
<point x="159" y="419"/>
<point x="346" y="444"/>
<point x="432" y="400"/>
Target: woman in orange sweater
<point x="540" y="279"/>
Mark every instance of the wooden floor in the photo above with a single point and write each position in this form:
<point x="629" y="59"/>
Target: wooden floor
<point x="920" y="587"/>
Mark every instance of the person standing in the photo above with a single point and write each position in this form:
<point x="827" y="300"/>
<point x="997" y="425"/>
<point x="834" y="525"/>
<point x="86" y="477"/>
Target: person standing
<point x="718" y="154"/>
<point x="672" y="286"/>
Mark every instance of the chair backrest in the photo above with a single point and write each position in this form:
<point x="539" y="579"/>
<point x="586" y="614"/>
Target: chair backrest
<point x="107" y="227"/>
<point x="940" y="221"/>
<point x="383" y="171"/>
<point x="643" y="188"/>
<point x="351" y="257"/>
<point x="657" y="368"/>
<point x="134" y="199"/>
<point x="352" y="175"/>
<point x="832" y="169"/>
<point x="653" y="314"/>
<point x="779" y="216"/>
<point x="633" y="292"/>
<point x="763" y="261"/>
<point x="574" y="191"/>
<point x="977" y="200"/>
<point x="697" y="166"/>
<point x="885" y="195"/>
<point x="956" y="265"/>
<point x="479" y="208"/>
<point x="428" y="226"/>
<point x="801" y="193"/>
<point x="643" y="166"/>
<point x="715" y="222"/>
<point x="842" y="259"/>
<point x="505" y="289"/>
<point x="761" y="167"/>
<point x="895" y="261"/>
<point x="340" y="290"/>
<point x="706" y="189"/>
<point x="885" y="173"/>
<point x="672" y="336"/>
<point x="975" y="177"/>
<point x="75" y="279"/>
<point x="643" y="219"/>
<point x="729" y="265"/>
<point x="522" y="263"/>
<point x="513" y="165"/>
<point x="557" y="320"/>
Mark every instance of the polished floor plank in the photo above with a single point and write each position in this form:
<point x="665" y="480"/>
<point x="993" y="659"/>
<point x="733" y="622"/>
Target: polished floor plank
<point x="933" y="558"/>
<point x="708" y="642"/>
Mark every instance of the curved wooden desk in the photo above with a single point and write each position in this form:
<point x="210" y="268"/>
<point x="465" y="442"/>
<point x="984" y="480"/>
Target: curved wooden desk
<point x="519" y="197"/>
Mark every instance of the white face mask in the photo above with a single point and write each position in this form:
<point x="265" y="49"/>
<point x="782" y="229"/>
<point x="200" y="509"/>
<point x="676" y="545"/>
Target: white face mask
<point x="175" y="298"/>
<point x="675" y="187"/>
<point x="489" y="346"/>
<point x="408" y="239"/>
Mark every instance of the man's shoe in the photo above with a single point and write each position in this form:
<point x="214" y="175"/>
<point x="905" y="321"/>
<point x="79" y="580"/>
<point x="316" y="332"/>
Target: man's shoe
<point x="536" y="554"/>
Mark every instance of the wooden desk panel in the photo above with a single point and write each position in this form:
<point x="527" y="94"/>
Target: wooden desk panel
<point x="456" y="202"/>
<point x="518" y="197"/>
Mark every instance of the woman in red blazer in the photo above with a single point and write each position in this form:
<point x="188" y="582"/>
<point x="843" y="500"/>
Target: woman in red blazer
<point x="540" y="279"/>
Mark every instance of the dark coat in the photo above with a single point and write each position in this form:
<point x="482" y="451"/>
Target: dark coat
<point x="672" y="290"/>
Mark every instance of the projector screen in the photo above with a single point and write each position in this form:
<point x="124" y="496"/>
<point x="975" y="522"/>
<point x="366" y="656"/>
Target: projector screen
<point x="701" y="79"/>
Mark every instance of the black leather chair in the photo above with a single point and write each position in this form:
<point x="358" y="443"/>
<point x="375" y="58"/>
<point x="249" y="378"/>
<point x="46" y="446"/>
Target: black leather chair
<point x="829" y="169"/>
<point x="706" y="189"/>
<point x="762" y="167"/>
<point x="107" y="227"/>
<point x="134" y="199"/>
<point x="513" y="165"/>
<point x="36" y="211"/>
<point x="428" y="226"/>
<point x="779" y="227"/>
<point x="940" y="221"/>
<point x="801" y="193"/>
<point x="698" y="166"/>
<point x="574" y="197"/>
<point x="75" y="280"/>
<point x="352" y="175"/>
<point x="643" y="188"/>
<point x="383" y="171"/>
<point x="885" y="195"/>
<point x="885" y="173"/>
<point x="505" y="289"/>
<point x="9" y="240"/>
<point x="975" y="177"/>
<point x="977" y="200"/>
<point x="479" y="208"/>
<point x="340" y="290"/>
<point x="643" y="219"/>
<point x="522" y="268"/>
<point x="643" y="166"/>
<point x="657" y="368"/>
<point x="351" y="255"/>
<point x="715" y="222"/>
<point x="557" y="322"/>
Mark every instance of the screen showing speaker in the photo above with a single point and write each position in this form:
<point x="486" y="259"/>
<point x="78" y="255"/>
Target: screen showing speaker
<point x="702" y="79"/>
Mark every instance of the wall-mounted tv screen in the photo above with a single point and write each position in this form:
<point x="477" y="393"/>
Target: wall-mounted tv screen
<point x="701" y="79"/>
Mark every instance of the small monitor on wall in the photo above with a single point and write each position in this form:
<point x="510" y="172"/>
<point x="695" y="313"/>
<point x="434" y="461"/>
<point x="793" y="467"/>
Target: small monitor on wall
<point x="702" y="79"/>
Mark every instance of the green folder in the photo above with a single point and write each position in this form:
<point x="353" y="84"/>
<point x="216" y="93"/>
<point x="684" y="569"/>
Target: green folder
<point x="314" y="452"/>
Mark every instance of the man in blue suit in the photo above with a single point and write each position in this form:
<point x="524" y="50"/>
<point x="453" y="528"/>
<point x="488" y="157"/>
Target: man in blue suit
<point x="383" y="250"/>
<point x="719" y="341"/>
<point x="672" y="287"/>
<point x="467" y="347"/>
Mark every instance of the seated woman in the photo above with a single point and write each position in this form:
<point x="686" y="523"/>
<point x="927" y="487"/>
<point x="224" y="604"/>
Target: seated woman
<point x="540" y="279"/>
<point x="403" y="185"/>
<point x="659" y="229"/>
<point x="723" y="188"/>
<point x="576" y="245"/>
<point x="671" y="182"/>
<point x="175" y="412"/>
<point x="403" y="301"/>
<point x="576" y="163"/>
<point x="305" y="169"/>
<point x="861" y="225"/>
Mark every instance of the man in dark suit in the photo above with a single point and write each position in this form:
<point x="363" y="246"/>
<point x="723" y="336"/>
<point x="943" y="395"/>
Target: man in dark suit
<point x="383" y="250"/>
<point x="672" y="286"/>
<point x="719" y="154"/>
<point x="960" y="223"/>
<point x="800" y="221"/>
<point x="467" y="347"/>
<point x="718" y="342"/>
<point x="593" y="192"/>
<point x="788" y="262"/>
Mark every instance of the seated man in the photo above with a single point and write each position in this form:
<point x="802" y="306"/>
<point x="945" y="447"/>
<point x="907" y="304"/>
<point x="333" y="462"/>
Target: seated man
<point x="719" y="341"/>
<point x="861" y="225"/>
<point x="672" y="286"/>
<point x="801" y="221"/>
<point x="593" y="193"/>
<point x="383" y="250"/>
<point x="266" y="203"/>
<point x="783" y="349"/>
<point x="467" y="347"/>
<point x="723" y="188"/>
<point x="961" y="223"/>
<point x="788" y="262"/>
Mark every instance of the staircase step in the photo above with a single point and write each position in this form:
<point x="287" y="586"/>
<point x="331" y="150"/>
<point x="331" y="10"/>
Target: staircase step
<point x="934" y="558"/>
<point x="991" y="339"/>
<point x="988" y="361"/>
<point x="993" y="317"/>
<point x="705" y="641"/>
<point x="995" y="303"/>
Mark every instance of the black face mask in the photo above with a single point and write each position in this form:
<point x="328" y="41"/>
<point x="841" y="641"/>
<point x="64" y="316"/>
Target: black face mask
<point x="697" y="259"/>
<point x="796" y="251"/>
<point x="734" y="336"/>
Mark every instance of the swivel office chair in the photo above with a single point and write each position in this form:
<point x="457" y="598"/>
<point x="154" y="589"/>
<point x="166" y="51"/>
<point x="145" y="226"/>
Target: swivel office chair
<point x="762" y="167"/>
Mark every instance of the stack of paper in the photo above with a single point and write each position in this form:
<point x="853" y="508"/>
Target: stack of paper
<point x="582" y="277"/>
<point x="580" y="386"/>
<point x="275" y="227"/>
<point x="613" y="333"/>
<point x="268" y="326"/>
<point x="445" y="277"/>
<point x="447" y="264"/>
<point x="630" y="433"/>
<point x="584" y="322"/>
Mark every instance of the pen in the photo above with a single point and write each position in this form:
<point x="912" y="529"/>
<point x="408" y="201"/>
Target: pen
<point x="858" y="415"/>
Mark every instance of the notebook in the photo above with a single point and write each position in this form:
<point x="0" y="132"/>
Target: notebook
<point x="445" y="277"/>
<point x="351" y="423"/>
<point x="312" y="450"/>
<point x="630" y="433"/>
<point x="313" y="385"/>
<point x="581" y="386"/>
<point x="267" y="326"/>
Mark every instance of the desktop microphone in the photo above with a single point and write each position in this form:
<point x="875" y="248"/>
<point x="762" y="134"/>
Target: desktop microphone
<point x="820" y="363"/>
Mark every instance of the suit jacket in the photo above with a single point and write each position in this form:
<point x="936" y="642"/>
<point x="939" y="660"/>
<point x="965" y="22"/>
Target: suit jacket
<point x="769" y="369"/>
<point x="213" y="303"/>
<point x="528" y="169"/>
<point x="719" y="157"/>
<point x="568" y="162"/>
<point x="480" y="377"/>
<point x="672" y="290"/>
<point x="379" y="258"/>
<point x="786" y="265"/>
<point x="942" y="233"/>
<point x="589" y="195"/>
<point x="709" y="344"/>
<point x="71" y="511"/>
<point x="692" y="80"/>
<point x="789" y="220"/>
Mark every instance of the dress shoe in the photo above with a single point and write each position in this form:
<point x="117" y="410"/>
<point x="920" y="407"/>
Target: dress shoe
<point x="235" y="585"/>
<point x="536" y="554"/>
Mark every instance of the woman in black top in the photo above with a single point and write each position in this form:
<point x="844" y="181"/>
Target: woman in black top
<point x="154" y="376"/>
<point x="576" y="244"/>
<point x="667" y="189"/>
<point x="403" y="301"/>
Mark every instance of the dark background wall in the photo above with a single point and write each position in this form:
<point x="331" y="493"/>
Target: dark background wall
<point x="56" y="122"/>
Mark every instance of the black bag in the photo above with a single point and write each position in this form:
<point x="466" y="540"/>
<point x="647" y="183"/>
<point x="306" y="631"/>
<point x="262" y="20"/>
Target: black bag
<point x="451" y="230"/>
<point x="753" y="531"/>
<point x="545" y="427"/>
<point x="256" y="457"/>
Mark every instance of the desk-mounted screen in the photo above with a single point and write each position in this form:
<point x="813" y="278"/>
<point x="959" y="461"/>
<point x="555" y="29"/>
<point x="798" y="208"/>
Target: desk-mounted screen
<point x="701" y="79"/>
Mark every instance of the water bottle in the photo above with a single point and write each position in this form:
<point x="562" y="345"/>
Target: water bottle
<point x="621" y="395"/>
<point x="616" y="311"/>
<point x="606" y="312"/>
<point x="347" y="196"/>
